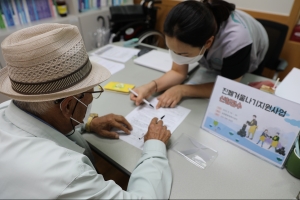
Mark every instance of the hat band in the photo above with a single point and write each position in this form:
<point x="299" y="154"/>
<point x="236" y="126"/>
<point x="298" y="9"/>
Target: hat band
<point x="55" y="85"/>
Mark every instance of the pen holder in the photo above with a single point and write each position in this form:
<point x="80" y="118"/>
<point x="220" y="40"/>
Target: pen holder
<point x="293" y="164"/>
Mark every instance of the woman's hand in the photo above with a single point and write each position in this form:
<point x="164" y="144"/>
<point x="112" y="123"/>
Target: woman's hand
<point x="103" y="125"/>
<point x="170" y="98"/>
<point x="144" y="92"/>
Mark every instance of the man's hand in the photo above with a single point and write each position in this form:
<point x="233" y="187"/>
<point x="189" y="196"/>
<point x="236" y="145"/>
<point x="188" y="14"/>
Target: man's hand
<point x="103" y="125"/>
<point x="157" y="131"/>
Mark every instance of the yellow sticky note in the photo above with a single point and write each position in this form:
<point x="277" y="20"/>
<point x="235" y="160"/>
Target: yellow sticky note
<point x="118" y="87"/>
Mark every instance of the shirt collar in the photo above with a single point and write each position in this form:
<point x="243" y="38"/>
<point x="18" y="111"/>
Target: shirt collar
<point x="37" y="128"/>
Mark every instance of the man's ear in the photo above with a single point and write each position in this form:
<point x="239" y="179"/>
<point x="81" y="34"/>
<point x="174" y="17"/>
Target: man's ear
<point x="67" y="106"/>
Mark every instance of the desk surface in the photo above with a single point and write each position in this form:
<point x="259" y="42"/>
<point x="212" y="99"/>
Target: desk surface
<point x="234" y="174"/>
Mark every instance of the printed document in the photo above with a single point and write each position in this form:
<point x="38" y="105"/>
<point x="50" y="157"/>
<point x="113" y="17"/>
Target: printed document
<point x="141" y="117"/>
<point x="116" y="53"/>
<point x="113" y="67"/>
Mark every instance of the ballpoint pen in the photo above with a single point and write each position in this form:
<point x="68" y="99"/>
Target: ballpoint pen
<point x="145" y="134"/>
<point x="144" y="100"/>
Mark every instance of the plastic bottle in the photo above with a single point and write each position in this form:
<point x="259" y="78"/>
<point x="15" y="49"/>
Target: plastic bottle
<point x="62" y="8"/>
<point x="296" y="33"/>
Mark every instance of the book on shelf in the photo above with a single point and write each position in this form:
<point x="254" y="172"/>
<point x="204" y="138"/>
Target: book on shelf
<point x="85" y="5"/>
<point x="52" y="8"/>
<point x="8" y="16"/>
<point x="2" y="23"/>
<point x="19" y="12"/>
<point x="3" y="17"/>
<point x="15" y="13"/>
<point x="43" y="9"/>
<point x="26" y="11"/>
<point x="32" y="10"/>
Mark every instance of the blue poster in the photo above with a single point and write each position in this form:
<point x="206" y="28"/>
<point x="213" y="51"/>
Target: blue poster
<point x="259" y="122"/>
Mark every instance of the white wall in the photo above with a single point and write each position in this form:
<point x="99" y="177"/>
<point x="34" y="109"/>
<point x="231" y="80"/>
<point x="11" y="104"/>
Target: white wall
<point x="282" y="7"/>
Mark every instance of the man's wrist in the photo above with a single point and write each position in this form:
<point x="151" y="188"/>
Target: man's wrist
<point x="88" y="125"/>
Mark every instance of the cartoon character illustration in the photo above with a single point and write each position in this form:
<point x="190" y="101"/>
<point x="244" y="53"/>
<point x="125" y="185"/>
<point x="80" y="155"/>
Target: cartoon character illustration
<point x="280" y="150"/>
<point x="262" y="137"/>
<point x="253" y="127"/>
<point x="275" y="141"/>
<point x="242" y="132"/>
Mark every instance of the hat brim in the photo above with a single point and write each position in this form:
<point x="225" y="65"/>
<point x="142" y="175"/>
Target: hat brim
<point x="97" y="75"/>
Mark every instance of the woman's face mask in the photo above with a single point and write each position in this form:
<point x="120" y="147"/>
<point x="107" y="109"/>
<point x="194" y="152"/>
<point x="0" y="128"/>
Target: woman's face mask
<point x="182" y="60"/>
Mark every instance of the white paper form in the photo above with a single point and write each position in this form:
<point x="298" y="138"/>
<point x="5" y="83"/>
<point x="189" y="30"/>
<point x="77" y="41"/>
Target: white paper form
<point x="113" y="67"/>
<point x="141" y="117"/>
<point x="115" y="53"/>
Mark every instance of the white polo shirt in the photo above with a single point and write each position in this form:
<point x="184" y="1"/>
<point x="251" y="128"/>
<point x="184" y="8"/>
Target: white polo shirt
<point x="38" y="162"/>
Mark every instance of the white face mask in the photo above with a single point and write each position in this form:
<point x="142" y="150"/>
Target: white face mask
<point x="79" y="123"/>
<point x="182" y="60"/>
<point x="87" y="114"/>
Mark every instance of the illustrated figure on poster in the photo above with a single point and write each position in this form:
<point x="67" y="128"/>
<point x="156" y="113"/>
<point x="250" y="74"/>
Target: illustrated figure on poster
<point x="263" y="137"/>
<point x="253" y="127"/>
<point x="275" y="141"/>
<point x="242" y="132"/>
<point x="280" y="150"/>
<point x="215" y="124"/>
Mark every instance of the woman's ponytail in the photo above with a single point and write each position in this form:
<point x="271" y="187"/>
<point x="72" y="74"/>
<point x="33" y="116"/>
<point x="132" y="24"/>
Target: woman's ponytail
<point x="220" y="9"/>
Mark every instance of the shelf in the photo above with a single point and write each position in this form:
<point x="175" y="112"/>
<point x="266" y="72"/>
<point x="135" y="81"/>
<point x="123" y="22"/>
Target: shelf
<point x="9" y="30"/>
<point x="88" y="12"/>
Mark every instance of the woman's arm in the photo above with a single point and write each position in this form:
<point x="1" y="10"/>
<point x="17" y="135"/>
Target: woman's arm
<point x="173" y="95"/>
<point x="175" y="76"/>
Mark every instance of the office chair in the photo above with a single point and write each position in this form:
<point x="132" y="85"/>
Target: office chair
<point x="136" y="21"/>
<point x="277" y="33"/>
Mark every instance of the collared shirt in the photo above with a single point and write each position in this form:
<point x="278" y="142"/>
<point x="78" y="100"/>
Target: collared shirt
<point x="37" y="161"/>
<point x="74" y="136"/>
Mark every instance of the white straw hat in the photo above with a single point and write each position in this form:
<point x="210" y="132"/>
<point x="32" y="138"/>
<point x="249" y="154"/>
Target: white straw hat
<point x="47" y="62"/>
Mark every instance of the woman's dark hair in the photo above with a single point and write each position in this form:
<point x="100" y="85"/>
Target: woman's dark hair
<point x="194" y="22"/>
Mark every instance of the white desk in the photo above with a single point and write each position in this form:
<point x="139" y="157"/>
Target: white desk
<point x="234" y="174"/>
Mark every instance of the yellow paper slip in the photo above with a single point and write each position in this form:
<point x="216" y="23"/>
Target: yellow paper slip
<point x="118" y="87"/>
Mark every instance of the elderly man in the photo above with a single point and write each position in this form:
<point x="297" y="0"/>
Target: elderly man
<point x="43" y="155"/>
